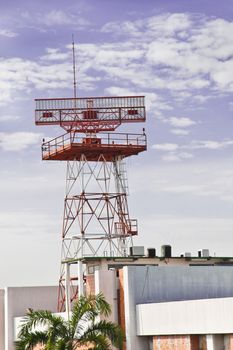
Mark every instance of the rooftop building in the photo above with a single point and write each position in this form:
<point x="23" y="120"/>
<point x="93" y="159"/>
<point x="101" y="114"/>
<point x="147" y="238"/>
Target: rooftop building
<point x="161" y="302"/>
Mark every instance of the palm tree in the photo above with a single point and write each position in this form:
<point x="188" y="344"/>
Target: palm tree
<point x="83" y="330"/>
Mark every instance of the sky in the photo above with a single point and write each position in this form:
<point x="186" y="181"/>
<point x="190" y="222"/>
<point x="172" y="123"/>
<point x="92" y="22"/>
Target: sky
<point x="177" y="53"/>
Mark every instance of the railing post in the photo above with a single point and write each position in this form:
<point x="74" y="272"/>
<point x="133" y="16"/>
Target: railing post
<point x="60" y="116"/>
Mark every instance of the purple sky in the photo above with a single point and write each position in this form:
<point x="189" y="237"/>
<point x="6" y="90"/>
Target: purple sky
<point x="176" y="53"/>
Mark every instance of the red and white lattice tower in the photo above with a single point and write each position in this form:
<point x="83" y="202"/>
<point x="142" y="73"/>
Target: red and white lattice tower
<point x="96" y="219"/>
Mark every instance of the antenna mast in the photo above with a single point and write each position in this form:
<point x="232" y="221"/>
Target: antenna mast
<point x="74" y="67"/>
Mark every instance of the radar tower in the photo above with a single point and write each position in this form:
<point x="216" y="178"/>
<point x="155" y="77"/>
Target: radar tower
<point x="96" y="220"/>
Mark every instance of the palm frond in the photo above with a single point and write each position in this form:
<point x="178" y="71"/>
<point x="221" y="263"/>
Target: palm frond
<point x="63" y="344"/>
<point x="44" y="318"/>
<point x="88" y="308"/>
<point x="97" y="342"/>
<point x="31" y="339"/>
<point x="109" y="330"/>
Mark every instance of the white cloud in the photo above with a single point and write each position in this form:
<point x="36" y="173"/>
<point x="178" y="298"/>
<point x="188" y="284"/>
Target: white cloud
<point x="176" y="156"/>
<point x="152" y="100"/>
<point x="212" y="182"/>
<point x="54" y="54"/>
<point x="6" y="118"/>
<point x="194" y="145"/>
<point x="209" y="144"/>
<point x="18" y="141"/>
<point x="178" y="47"/>
<point x="174" y="23"/>
<point x="170" y="157"/>
<point x="182" y="132"/>
<point x="185" y="155"/>
<point x="184" y="189"/>
<point x="7" y="33"/>
<point x="188" y="234"/>
<point x="18" y="77"/>
<point x="188" y="51"/>
<point x="59" y="17"/>
<point x="200" y="98"/>
<point x="180" y="122"/>
<point x="165" y="147"/>
<point x="18" y="226"/>
<point x="178" y="152"/>
<point x="56" y="17"/>
<point x="212" y="179"/>
<point x="166" y="25"/>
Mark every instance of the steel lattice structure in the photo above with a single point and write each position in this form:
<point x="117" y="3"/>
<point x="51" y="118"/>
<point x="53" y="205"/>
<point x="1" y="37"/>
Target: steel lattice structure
<point x="96" y="220"/>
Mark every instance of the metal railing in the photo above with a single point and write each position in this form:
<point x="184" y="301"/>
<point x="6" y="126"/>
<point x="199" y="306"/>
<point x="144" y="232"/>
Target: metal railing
<point x="90" y="102"/>
<point x="96" y="112"/>
<point x="110" y="140"/>
<point x="128" y="227"/>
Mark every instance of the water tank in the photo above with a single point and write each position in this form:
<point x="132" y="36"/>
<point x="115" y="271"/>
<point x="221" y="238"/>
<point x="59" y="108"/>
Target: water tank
<point x="166" y="251"/>
<point x="204" y="253"/>
<point x="137" y="251"/>
<point x="151" y="252"/>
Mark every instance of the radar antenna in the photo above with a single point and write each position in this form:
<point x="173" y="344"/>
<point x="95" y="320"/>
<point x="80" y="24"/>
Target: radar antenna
<point x="74" y="68"/>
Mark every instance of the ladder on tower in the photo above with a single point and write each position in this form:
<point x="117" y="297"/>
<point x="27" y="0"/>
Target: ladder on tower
<point x="123" y="176"/>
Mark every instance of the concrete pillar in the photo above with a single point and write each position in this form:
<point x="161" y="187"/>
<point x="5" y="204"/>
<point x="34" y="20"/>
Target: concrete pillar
<point x="80" y="278"/>
<point x="203" y="342"/>
<point x="90" y="284"/>
<point x="210" y="342"/>
<point x="97" y="281"/>
<point x="67" y="289"/>
<point x="215" y="342"/>
<point x="228" y="342"/>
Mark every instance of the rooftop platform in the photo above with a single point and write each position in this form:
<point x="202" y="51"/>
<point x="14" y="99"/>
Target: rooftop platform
<point x="119" y="262"/>
<point x="70" y="146"/>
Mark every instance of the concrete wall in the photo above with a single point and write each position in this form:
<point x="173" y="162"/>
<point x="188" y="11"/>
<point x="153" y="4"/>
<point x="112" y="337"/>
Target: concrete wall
<point x="106" y="282"/>
<point x="19" y="299"/>
<point x="133" y="342"/>
<point x="156" y="284"/>
<point x="206" y="316"/>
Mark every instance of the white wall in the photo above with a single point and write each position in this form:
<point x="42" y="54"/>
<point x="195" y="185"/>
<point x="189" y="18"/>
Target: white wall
<point x="107" y="285"/>
<point x="2" y="328"/>
<point x="206" y="316"/>
<point x="19" y="299"/>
